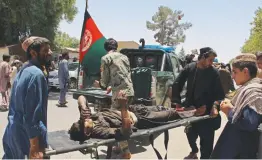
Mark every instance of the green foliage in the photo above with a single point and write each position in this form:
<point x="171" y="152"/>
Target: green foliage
<point x="254" y="43"/>
<point x="21" y="18"/>
<point x="64" y="40"/>
<point x="182" y="54"/>
<point x="167" y="27"/>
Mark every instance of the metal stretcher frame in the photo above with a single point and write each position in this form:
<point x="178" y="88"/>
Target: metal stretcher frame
<point x="60" y="142"/>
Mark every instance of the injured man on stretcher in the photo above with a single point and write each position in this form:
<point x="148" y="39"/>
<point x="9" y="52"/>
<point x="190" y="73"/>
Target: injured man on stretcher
<point x="106" y="123"/>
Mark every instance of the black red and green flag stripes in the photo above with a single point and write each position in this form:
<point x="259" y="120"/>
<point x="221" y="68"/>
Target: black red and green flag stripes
<point x="91" y="45"/>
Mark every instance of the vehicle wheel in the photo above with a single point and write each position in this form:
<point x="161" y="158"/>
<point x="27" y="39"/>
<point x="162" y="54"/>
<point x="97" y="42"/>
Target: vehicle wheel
<point x="72" y="84"/>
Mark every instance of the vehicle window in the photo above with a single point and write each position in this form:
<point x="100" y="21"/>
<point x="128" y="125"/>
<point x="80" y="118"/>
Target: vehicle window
<point x="151" y="62"/>
<point x="139" y="61"/>
<point x="175" y="64"/>
<point x="159" y="63"/>
<point x="72" y="66"/>
<point x="168" y="66"/>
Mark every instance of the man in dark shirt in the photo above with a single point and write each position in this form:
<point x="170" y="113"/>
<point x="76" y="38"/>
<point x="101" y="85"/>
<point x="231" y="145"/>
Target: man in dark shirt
<point x="203" y="91"/>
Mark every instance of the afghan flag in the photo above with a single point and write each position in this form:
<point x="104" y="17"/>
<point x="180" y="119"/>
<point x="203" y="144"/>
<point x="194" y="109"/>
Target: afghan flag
<point x="91" y="45"/>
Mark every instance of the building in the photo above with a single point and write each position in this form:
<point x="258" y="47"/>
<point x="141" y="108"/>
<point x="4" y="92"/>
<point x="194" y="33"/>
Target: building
<point x="13" y="50"/>
<point x="73" y="52"/>
<point x="127" y="44"/>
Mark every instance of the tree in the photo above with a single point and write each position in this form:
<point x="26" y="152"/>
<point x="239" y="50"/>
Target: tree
<point x="167" y="27"/>
<point x="254" y="43"/>
<point x="64" y="40"/>
<point x="194" y="51"/>
<point x="23" y="18"/>
<point x="182" y="54"/>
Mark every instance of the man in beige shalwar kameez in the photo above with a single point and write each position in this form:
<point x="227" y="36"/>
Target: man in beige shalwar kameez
<point x="5" y="71"/>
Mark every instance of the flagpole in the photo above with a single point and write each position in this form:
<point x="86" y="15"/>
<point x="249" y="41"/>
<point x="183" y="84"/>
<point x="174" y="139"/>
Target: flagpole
<point x="86" y="4"/>
<point x="79" y="65"/>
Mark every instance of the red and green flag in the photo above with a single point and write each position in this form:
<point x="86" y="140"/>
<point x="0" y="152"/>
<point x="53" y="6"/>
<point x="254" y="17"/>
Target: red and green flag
<point x="91" y="45"/>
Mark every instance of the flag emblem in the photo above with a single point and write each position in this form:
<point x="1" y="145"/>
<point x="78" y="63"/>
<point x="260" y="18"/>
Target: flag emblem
<point x="86" y="41"/>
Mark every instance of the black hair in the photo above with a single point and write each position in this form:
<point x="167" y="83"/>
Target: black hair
<point x="251" y="66"/>
<point x="206" y="52"/>
<point x="65" y="54"/>
<point x="6" y="57"/>
<point x="259" y="55"/>
<point x="223" y="65"/>
<point x="110" y="45"/>
<point x="76" y="131"/>
<point x="229" y="67"/>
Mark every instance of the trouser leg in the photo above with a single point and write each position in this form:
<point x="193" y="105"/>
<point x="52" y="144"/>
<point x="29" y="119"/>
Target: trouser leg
<point x="4" y="102"/>
<point x="192" y="136"/>
<point x="62" y="95"/>
<point x="206" y="142"/>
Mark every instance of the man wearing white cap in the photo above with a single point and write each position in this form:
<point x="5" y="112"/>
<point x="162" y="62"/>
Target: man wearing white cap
<point x="25" y="134"/>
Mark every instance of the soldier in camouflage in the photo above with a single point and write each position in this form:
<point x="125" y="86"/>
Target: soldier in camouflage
<point x="115" y="72"/>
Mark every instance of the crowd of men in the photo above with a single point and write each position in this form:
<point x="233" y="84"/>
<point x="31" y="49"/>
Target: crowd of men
<point x="207" y="91"/>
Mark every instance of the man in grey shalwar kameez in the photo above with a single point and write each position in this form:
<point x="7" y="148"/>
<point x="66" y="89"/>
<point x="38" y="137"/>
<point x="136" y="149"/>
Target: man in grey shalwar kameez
<point x="63" y="75"/>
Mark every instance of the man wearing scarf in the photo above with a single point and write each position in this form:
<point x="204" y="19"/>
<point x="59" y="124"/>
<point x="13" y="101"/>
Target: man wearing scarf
<point x="203" y="89"/>
<point x="26" y="131"/>
<point x="240" y="137"/>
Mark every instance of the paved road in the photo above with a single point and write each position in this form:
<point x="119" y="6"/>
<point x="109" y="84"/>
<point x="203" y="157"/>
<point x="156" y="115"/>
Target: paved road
<point x="62" y="118"/>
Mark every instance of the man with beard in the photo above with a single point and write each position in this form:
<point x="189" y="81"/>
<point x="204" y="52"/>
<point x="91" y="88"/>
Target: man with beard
<point x="26" y="131"/>
<point x="203" y="89"/>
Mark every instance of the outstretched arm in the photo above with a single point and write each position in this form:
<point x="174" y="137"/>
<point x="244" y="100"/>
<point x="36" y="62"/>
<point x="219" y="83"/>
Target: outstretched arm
<point x="84" y="110"/>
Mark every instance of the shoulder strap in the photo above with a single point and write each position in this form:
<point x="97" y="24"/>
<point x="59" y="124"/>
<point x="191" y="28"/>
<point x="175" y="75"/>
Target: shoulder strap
<point x="166" y="140"/>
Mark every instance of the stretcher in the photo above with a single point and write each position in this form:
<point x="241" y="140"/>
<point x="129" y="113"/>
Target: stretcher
<point x="60" y="142"/>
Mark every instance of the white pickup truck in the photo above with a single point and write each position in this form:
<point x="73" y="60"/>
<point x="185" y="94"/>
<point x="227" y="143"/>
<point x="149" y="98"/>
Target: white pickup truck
<point x="53" y="76"/>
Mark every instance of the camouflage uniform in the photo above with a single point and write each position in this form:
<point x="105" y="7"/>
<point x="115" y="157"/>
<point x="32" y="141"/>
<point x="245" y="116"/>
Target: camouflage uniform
<point x="116" y="72"/>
